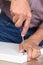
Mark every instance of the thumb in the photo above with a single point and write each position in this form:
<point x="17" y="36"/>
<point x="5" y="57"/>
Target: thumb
<point x="21" y="50"/>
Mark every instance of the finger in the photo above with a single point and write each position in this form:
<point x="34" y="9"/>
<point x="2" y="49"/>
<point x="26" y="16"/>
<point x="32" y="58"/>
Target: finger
<point x="20" y="21"/>
<point x="21" y="48"/>
<point x="26" y="27"/>
<point x="36" y="54"/>
<point x="29" y="53"/>
<point x="15" y="18"/>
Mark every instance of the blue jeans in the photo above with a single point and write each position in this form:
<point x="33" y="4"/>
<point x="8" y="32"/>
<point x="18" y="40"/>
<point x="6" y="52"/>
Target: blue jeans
<point x="10" y="33"/>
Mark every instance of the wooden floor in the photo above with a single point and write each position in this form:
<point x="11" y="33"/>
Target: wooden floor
<point x="39" y="61"/>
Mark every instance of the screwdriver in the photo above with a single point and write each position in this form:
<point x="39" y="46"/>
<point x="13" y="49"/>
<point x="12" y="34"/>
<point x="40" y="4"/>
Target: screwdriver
<point x="21" y="28"/>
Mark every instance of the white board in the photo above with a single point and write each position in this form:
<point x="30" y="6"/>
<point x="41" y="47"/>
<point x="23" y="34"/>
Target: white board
<point x="10" y="52"/>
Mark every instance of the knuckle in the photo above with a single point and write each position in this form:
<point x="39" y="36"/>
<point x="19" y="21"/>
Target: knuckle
<point x="30" y="15"/>
<point x="35" y="50"/>
<point x="11" y="9"/>
<point x="25" y="27"/>
<point x="38" y="50"/>
<point x="38" y="55"/>
<point x="13" y="18"/>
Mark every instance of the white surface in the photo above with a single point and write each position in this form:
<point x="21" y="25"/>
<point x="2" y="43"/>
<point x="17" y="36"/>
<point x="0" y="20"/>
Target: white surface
<point x="41" y="51"/>
<point x="9" y="52"/>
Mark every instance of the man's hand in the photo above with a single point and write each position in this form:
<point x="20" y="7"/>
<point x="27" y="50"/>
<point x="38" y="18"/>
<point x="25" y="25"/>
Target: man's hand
<point x="21" y="13"/>
<point x="31" y="45"/>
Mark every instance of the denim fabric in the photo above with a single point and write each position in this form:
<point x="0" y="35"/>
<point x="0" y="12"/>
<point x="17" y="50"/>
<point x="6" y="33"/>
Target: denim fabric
<point x="10" y="33"/>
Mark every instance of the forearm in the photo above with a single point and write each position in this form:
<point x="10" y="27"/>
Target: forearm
<point x="39" y="34"/>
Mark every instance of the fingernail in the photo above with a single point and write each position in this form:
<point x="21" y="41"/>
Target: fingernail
<point x="22" y="35"/>
<point x="21" y="51"/>
<point x="28" y="59"/>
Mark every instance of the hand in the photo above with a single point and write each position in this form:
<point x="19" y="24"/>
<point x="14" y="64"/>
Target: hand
<point x="21" y="13"/>
<point x="31" y="47"/>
